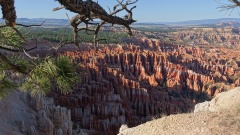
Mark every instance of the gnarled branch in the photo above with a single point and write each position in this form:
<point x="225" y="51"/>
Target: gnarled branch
<point x="89" y="10"/>
<point x="226" y="7"/>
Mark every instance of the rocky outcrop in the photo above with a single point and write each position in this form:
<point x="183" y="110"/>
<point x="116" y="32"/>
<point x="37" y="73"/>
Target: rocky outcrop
<point x="23" y="114"/>
<point x="44" y="123"/>
<point x="217" y="116"/>
<point x="37" y="102"/>
<point x="223" y="101"/>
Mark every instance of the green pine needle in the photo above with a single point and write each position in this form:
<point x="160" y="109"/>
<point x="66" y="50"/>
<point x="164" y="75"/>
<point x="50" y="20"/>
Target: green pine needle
<point x="6" y="85"/>
<point x="51" y="73"/>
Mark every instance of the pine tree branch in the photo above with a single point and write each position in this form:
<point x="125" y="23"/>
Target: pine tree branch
<point x="13" y="66"/>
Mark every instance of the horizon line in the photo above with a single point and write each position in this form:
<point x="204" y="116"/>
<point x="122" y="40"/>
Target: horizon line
<point x="142" y="21"/>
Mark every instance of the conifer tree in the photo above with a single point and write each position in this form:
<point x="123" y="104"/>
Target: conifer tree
<point x="33" y="74"/>
<point x="20" y="70"/>
<point x="37" y="75"/>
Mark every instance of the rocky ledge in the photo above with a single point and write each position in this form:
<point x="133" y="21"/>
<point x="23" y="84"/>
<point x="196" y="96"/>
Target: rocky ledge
<point x="220" y="116"/>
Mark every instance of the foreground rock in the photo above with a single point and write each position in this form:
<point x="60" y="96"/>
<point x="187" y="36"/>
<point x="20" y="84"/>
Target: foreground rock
<point x="23" y="114"/>
<point x="223" y="101"/>
<point x="223" y="118"/>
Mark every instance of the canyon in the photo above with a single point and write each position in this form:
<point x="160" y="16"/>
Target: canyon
<point x="148" y="78"/>
<point x="132" y="84"/>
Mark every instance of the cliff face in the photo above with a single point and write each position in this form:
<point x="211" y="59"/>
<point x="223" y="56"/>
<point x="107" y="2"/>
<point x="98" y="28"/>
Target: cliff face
<point x="131" y="84"/>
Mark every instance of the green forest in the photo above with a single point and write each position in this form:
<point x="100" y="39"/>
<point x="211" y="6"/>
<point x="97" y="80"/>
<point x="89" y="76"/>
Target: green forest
<point x="66" y="35"/>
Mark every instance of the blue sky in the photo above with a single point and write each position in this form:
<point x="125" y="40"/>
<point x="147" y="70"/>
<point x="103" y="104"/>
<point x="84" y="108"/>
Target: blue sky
<point x="146" y="11"/>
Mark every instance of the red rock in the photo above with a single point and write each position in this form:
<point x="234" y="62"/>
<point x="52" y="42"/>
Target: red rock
<point x="129" y="84"/>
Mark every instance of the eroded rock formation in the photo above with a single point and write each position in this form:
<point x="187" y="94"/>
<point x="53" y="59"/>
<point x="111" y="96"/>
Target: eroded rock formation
<point x="23" y="114"/>
<point x="133" y="83"/>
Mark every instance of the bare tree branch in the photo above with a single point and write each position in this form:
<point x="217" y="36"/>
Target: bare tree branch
<point x="28" y="32"/>
<point x="31" y="25"/>
<point x="28" y="55"/>
<point x="61" y="44"/>
<point x="58" y="8"/>
<point x="89" y="10"/>
<point x="226" y="7"/>
<point x="95" y="40"/>
<point x="236" y="2"/>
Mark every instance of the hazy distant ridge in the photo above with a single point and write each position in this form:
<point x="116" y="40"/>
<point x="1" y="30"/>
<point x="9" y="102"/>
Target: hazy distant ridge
<point x="49" y="21"/>
<point x="203" y="22"/>
<point x="64" y="22"/>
